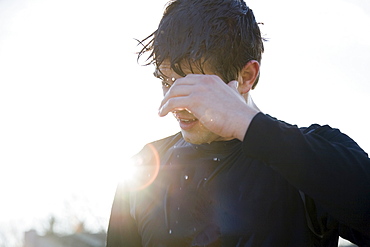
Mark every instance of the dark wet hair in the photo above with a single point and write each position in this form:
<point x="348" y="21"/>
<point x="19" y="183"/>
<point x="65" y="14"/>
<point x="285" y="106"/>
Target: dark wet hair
<point x="223" y="33"/>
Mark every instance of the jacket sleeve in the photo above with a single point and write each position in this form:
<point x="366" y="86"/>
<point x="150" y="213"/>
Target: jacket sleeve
<point x="122" y="229"/>
<point x="322" y="162"/>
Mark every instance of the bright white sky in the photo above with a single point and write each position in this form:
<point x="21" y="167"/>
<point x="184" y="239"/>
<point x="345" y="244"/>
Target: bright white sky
<point x="74" y="104"/>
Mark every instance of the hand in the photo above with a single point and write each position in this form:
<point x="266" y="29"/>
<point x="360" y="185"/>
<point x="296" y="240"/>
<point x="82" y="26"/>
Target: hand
<point x="219" y="107"/>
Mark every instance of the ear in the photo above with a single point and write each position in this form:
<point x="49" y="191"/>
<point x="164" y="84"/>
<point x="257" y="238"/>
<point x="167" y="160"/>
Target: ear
<point x="248" y="75"/>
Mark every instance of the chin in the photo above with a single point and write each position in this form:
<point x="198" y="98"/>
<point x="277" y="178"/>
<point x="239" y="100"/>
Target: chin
<point x="199" y="138"/>
<point x="192" y="141"/>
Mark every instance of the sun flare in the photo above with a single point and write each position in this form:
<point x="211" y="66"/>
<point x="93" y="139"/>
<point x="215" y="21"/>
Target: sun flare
<point x="141" y="170"/>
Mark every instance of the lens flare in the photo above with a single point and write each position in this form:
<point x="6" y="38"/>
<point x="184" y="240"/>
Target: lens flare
<point x="142" y="170"/>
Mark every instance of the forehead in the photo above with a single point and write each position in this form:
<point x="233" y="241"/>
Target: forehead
<point x="166" y="69"/>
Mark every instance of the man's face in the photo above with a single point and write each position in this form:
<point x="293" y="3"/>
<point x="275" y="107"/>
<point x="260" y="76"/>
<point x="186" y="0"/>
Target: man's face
<point x="191" y="128"/>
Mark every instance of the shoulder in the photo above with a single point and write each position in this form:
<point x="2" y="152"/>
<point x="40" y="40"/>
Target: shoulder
<point x="167" y="142"/>
<point x="160" y="146"/>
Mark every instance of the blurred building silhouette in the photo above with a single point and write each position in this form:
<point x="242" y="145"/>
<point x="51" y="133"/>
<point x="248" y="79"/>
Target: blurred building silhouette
<point x="50" y="239"/>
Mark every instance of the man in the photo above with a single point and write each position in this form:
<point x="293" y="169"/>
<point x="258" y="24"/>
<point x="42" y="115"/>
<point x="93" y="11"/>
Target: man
<point x="234" y="176"/>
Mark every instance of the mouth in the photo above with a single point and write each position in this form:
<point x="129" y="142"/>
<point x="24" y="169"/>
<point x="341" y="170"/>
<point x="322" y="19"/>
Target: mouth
<point x="183" y="120"/>
<point x="186" y="121"/>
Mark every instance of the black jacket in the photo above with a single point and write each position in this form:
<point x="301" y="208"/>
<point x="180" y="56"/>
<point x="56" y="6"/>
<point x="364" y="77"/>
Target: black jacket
<point x="281" y="186"/>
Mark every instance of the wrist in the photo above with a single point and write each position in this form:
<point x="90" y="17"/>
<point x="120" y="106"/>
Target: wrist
<point x="243" y="123"/>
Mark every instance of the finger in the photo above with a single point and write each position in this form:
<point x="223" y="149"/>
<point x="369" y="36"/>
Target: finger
<point x="174" y="104"/>
<point x="176" y="90"/>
